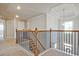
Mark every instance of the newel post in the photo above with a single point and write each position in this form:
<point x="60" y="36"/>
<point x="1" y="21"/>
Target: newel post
<point x="16" y="36"/>
<point x="50" y="39"/>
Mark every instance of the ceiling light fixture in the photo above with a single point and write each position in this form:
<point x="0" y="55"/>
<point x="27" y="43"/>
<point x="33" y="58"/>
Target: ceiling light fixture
<point x="17" y="16"/>
<point x="18" y="7"/>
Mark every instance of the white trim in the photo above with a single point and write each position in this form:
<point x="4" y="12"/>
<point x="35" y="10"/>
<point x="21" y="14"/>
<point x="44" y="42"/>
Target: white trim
<point x="70" y="43"/>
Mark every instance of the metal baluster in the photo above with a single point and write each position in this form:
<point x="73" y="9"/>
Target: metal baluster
<point x="22" y="37"/>
<point x="70" y="43"/>
<point x="73" y="43"/>
<point x="19" y="37"/>
<point x="65" y="41"/>
<point x="58" y="46"/>
<point x="76" y="41"/>
<point x="57" y="40"/>
<point x="55" y="45"/>
<point x="60" y="40"/>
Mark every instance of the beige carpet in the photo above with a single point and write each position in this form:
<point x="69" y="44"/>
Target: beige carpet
<point x="10" y="48"/>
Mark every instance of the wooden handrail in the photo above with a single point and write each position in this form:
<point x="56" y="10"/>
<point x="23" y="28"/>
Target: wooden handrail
<point x="42" y="30"/>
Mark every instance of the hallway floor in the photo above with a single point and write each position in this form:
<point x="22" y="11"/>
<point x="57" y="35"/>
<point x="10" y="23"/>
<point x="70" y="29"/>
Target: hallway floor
<point x="10" y="48"/>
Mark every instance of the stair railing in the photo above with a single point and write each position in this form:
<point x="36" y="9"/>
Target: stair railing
<point x="66" y="40"/>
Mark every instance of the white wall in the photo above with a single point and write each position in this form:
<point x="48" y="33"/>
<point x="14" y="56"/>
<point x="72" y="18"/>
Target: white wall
<point x="60" y="14"/>
<point x="10" y="29"/>
<point x="11" y="26"/>
<point x="52" y="21"/>
<point x="37" y="21"/>
<point x="21" y="24"/>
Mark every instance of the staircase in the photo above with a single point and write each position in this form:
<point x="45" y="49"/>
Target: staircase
<point x="34" y="44"/>
<point x="33" y="47"/>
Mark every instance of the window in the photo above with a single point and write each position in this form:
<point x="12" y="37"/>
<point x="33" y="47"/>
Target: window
<point x="1" y="30"/>
<point x="68" y="25"/>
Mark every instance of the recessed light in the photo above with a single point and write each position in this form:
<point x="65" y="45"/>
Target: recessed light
<point x="18" y="7"/>
<point x="17" y="16"/>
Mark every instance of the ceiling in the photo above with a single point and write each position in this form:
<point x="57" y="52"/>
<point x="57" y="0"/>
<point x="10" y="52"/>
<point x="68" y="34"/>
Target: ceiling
<point x="27" y="9"/>
<point x="66" y="11"/>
